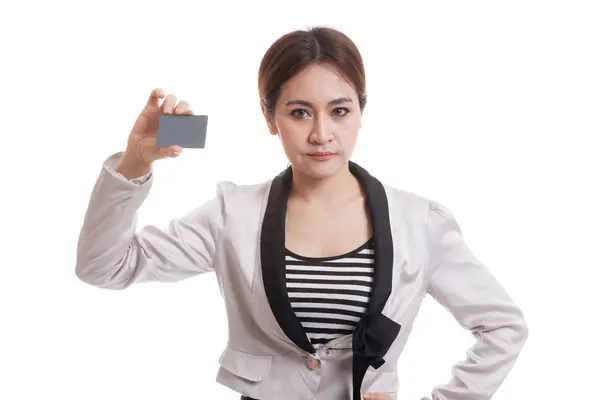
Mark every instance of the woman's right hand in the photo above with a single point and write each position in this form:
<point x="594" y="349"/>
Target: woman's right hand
<point x="141" y="149"/>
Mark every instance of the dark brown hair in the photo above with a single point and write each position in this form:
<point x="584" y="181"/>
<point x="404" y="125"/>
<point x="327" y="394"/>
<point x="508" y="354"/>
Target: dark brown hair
<point x="296" y="50"/>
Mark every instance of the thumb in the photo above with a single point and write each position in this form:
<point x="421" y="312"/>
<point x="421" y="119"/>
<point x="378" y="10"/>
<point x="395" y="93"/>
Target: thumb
<point x="169" y="152"/>
<point x="151" y="153"/>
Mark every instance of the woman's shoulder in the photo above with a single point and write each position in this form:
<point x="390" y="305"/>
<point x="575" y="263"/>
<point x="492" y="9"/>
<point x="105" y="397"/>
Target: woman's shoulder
<point x="415" y="207"/>
<point x="406" y="199"/>
<point x="242" y="195"/>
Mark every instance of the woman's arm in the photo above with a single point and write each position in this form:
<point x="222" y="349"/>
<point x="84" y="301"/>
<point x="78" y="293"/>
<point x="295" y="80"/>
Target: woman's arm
<point x="112" y="255"/>
<point x="467" y="289"/>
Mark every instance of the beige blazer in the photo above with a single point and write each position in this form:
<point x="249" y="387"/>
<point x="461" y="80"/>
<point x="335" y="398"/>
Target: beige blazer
<point x="240" y="236"/>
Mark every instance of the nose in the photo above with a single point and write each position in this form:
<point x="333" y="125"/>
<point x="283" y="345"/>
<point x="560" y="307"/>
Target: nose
<point x="322" y="132"/>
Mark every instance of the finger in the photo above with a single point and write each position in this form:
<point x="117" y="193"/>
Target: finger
<point x="155" y="96"/>
<point x="188" y="112"/>
<point x="169" y="104"/>
<point x="182" y="107"/>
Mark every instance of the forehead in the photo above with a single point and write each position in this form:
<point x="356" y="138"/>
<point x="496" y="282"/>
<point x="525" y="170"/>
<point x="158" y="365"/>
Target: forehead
<point x="318" y="83"/>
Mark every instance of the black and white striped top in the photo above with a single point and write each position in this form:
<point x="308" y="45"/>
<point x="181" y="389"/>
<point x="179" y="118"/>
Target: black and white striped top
<point x="329" y="295"/>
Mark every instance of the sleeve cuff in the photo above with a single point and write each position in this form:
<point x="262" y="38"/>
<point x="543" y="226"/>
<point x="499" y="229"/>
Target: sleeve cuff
<point x="111" y="163"/>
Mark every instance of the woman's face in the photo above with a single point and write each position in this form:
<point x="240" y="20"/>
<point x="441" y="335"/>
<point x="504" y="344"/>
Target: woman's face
<point x="317" y="118"/>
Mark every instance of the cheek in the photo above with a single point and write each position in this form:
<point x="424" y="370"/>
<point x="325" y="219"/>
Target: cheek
<point x="346" y="131"/>
<point x="293" y="133"/>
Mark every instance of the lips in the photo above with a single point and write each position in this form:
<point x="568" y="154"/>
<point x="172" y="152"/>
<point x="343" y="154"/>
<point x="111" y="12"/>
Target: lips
<point x="322" y="155"/>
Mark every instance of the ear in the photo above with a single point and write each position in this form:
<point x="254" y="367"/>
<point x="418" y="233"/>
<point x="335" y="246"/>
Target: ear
<point x="270" y="121"/>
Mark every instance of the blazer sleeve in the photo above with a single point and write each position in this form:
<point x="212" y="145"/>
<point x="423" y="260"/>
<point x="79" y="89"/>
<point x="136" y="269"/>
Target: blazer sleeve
<point x="112" y="254"/>
<point x="478" y="302"/>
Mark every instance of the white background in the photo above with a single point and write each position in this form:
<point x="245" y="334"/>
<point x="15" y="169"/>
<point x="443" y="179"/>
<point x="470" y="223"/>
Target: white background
<point x="489" y="107"/>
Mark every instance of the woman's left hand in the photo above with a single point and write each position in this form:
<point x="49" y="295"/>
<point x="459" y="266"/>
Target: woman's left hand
<point x="376" y="396"/>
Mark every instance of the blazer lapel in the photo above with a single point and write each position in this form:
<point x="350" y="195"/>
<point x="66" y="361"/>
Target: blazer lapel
<point x="377" y="205"/>
<point x="272" y="255"/>
<point x="375" y="332"/>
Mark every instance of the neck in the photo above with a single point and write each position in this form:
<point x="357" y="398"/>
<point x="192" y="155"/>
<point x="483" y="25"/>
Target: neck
<point x="334" y="189"/>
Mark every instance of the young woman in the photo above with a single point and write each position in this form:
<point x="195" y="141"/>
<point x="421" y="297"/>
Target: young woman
<point x="323" y="268"/>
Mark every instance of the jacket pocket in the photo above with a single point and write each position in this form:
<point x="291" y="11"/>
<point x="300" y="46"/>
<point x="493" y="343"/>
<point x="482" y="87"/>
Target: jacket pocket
<point x="245" y="365"/>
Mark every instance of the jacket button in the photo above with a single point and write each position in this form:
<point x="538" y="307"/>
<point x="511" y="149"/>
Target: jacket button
<point x="312" y="363"/>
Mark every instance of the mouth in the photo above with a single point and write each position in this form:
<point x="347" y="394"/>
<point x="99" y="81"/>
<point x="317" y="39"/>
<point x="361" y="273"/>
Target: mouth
<point x="322" y="155"/>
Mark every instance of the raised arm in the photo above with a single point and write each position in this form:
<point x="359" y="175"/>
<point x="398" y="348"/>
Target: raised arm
<point x="112" y="254"/>
<point x="467" y="289"/>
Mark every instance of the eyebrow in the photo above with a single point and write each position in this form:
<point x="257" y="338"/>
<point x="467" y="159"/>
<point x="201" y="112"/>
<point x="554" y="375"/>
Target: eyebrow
<point x="341" y="100"/>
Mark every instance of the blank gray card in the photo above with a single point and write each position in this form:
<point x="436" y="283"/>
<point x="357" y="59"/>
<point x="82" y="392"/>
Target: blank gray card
<point x="187" y="131"/>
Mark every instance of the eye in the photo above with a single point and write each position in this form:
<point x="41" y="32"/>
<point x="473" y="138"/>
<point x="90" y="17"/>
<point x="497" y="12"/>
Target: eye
<point x="340" y="111"/>
<point x="300" y="113"/>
